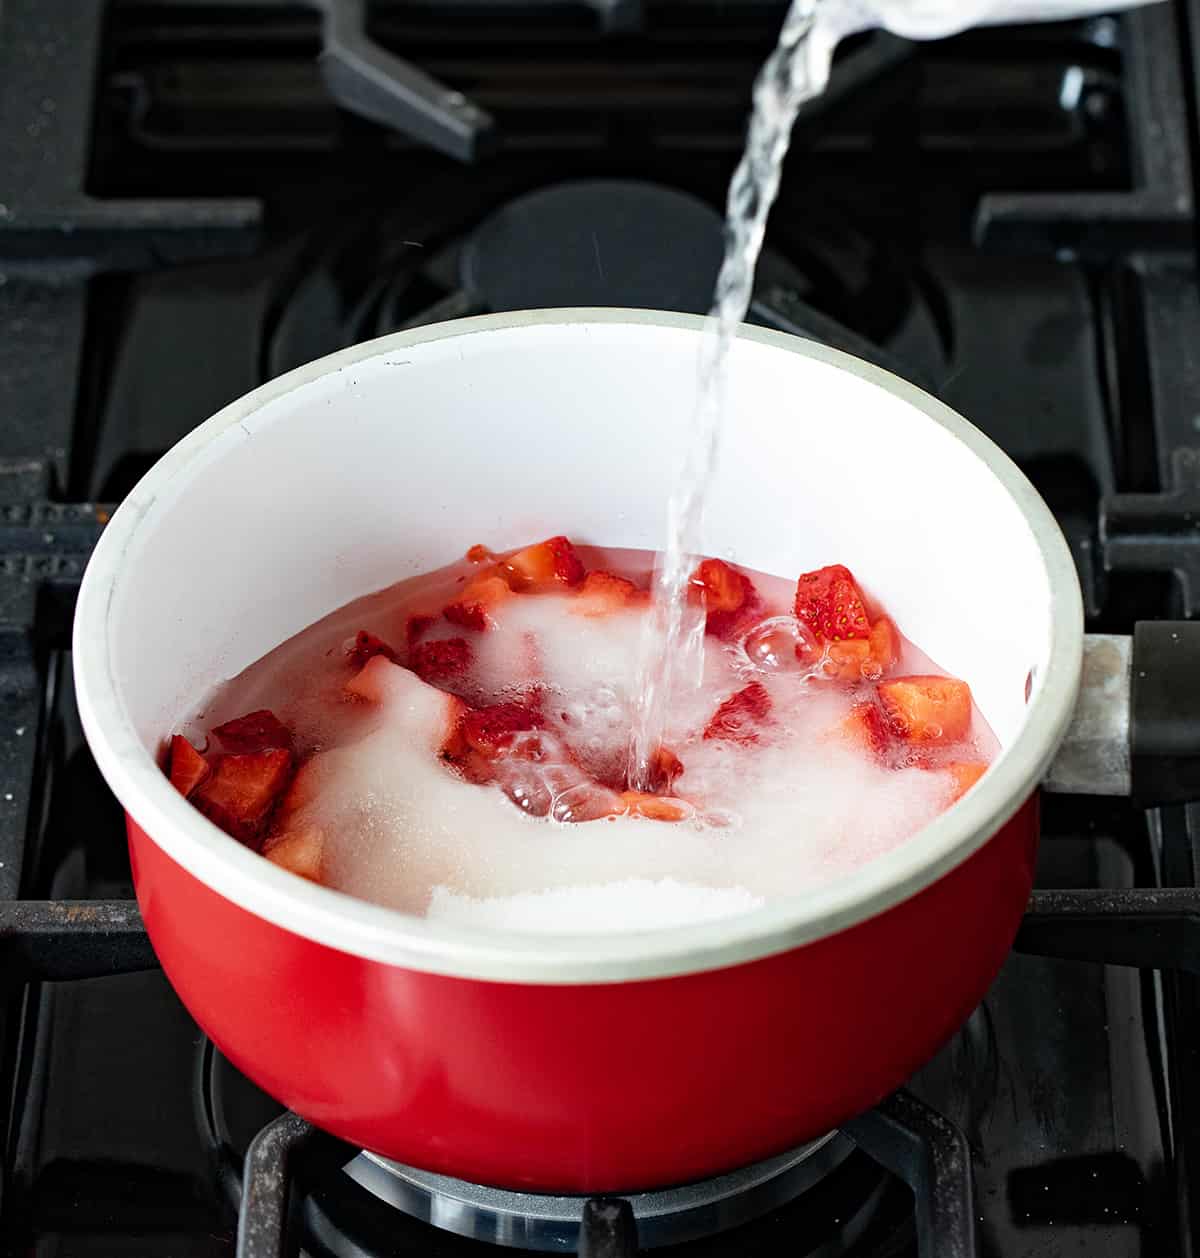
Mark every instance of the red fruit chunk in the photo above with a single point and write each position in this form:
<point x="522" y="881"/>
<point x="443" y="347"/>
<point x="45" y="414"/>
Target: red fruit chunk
<point x="664" y="767"/>
<point x="478" y="553"/>
<point x="243" y="789"/>
<point x="830" y="603"/>
<point x="966" y="774"/>
<point x="187" y="768"/>
<point x="445" y="660"/>
<point x="655" y="807"/>
<point x="736" y="718"/>
<point x="927" y="709"/>
<point x="491" y="731"/>
<point x="257" y="731"/>
<point x="300" y="852"/>
<point x="551" y="561"/>
<point x="366" y="647"/>
<point x="728" y="595"/>
<point x="602" y="593"/>
<point x="858" y="658"/>
<point x="478" y="599"/>
<point x="867" y="727"/>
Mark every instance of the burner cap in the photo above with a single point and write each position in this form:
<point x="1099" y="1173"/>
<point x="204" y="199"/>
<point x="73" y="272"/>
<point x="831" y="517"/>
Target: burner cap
<point x="602" y="242"/>
<point x="665" y="1217"/>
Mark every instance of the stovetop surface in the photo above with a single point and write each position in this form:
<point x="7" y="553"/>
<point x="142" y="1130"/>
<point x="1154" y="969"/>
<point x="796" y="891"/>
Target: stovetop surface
<point x="1005" y="219"/>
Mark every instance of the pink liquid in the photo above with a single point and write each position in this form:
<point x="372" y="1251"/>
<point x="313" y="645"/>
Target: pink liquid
<point x="783" y="805"/>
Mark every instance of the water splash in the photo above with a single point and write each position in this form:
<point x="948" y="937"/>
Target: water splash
<point x="672" y="654"/>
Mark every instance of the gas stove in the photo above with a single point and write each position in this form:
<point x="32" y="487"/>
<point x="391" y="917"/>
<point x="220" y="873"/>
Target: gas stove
<point x="197" y="197"/>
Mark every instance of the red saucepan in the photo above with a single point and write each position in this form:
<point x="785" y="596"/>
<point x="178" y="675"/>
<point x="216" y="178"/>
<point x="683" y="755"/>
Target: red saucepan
<point x="572" y="1063"/>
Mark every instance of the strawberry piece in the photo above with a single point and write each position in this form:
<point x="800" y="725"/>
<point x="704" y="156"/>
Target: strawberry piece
<point x="729" y="597"/>
<point x="492" y="730"/>
<point x="927" y="709"/>
<point x="477" y="601"/>
<point x="549" y="562"/>
<point x="299" y="852"/>
<point x="735" y="719"/>
<point x="655" y="807"/>
<point x="966" y="773"/>
<point x="860" y="658"/>
<point x="416" y="627"/>
<point x="478" y="553"/>
<point x="256" y="731"/>
<point x="830" y="603"/>
<point x="445" y="660"/>
<point x="366" y="647"/>
<point x="662" y="770"/>
<point x="187" y="768"/>
<point x="603" y="593"/>
<point x="243" y="789"/>
<point x="867" y="727"/>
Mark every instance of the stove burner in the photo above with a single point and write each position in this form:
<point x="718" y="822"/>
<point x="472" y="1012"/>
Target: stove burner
<point x="551" y="1224"/>
<point x="596" y="242"/>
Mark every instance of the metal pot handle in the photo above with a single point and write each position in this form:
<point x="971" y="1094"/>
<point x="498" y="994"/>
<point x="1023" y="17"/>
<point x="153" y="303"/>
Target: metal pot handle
<point x="1136" y="728"/>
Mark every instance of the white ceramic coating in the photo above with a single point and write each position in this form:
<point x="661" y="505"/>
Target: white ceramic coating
<point x="394" y="456"/>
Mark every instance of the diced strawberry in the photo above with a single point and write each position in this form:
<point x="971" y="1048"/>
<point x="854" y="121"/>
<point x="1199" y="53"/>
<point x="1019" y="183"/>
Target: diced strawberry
<point x="664" y="767"/>
<point x="243" y="789"/>
<point x="477" y="600"/>
<point x="551" y="561"/>
<point x="965" y="773"/>
<point x="366" y="646"/>
<point x="478" y="553"/>
<point x="728" y="595"/>
<point x="603" y="593"/>
<point x="860" y="658"/>
<point x="441" y="661"/>
<point x="830" y="603"/>
<point x="736" y="718"/>
<point x="256" y="731"/>
<point x="416" y="627"/>
<point x="655" y="807"/>
<point x="491" y="731"/>
<point x="927" y="709"/>
<point x="867" y="727"/>
<point x="187" y="768"/>
<point x="299" y="852"/>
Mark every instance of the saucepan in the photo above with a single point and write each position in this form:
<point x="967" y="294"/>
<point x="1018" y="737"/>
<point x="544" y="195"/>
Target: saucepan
<point x="585" y="1063"/>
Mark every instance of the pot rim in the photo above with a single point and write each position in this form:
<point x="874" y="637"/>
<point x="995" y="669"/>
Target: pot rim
<point x="387" y="935"/>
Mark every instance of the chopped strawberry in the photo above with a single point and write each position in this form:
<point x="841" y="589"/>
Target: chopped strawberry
<point x="257" y="731"/>
<point x="728" y="595"/>
<point x="927" y="709"/>
<point x="867" y="727"/>
<point x="603" y="593"/>
<point x="965" y="773"/>
<point x="830" y="603"/>
<point x="735" y="719"/>
<point x="491" y="731"/>
<point x="477" y="600"/>
<point x="860" y="658"/>
<point x="187" y="768"/>
<point x="416" y="627"/>
<point x="549" y="562"/>
<point x="662" y="770"/>
<point x="243" y="789"/>
<point x="441" y="661"/>
<point x="655" y="807"/>
<point x="478" y="553"/>
<point x="366" y="646"/>
<point x="299" y="852"/>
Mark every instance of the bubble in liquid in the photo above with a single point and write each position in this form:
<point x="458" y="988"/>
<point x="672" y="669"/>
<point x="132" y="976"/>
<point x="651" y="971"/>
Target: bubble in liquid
<point x="772" y="644"/>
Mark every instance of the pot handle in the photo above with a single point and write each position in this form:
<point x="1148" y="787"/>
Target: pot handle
<point x="1136" y="727"/>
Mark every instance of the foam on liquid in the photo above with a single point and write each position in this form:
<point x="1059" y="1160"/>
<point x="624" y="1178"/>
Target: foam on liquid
<point x="774" y="818"/>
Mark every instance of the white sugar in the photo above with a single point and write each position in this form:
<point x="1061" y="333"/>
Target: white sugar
<point x="632" y="904"/>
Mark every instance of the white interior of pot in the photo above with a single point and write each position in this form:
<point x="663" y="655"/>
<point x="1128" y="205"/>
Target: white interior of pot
<point x="399" y="462"/>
